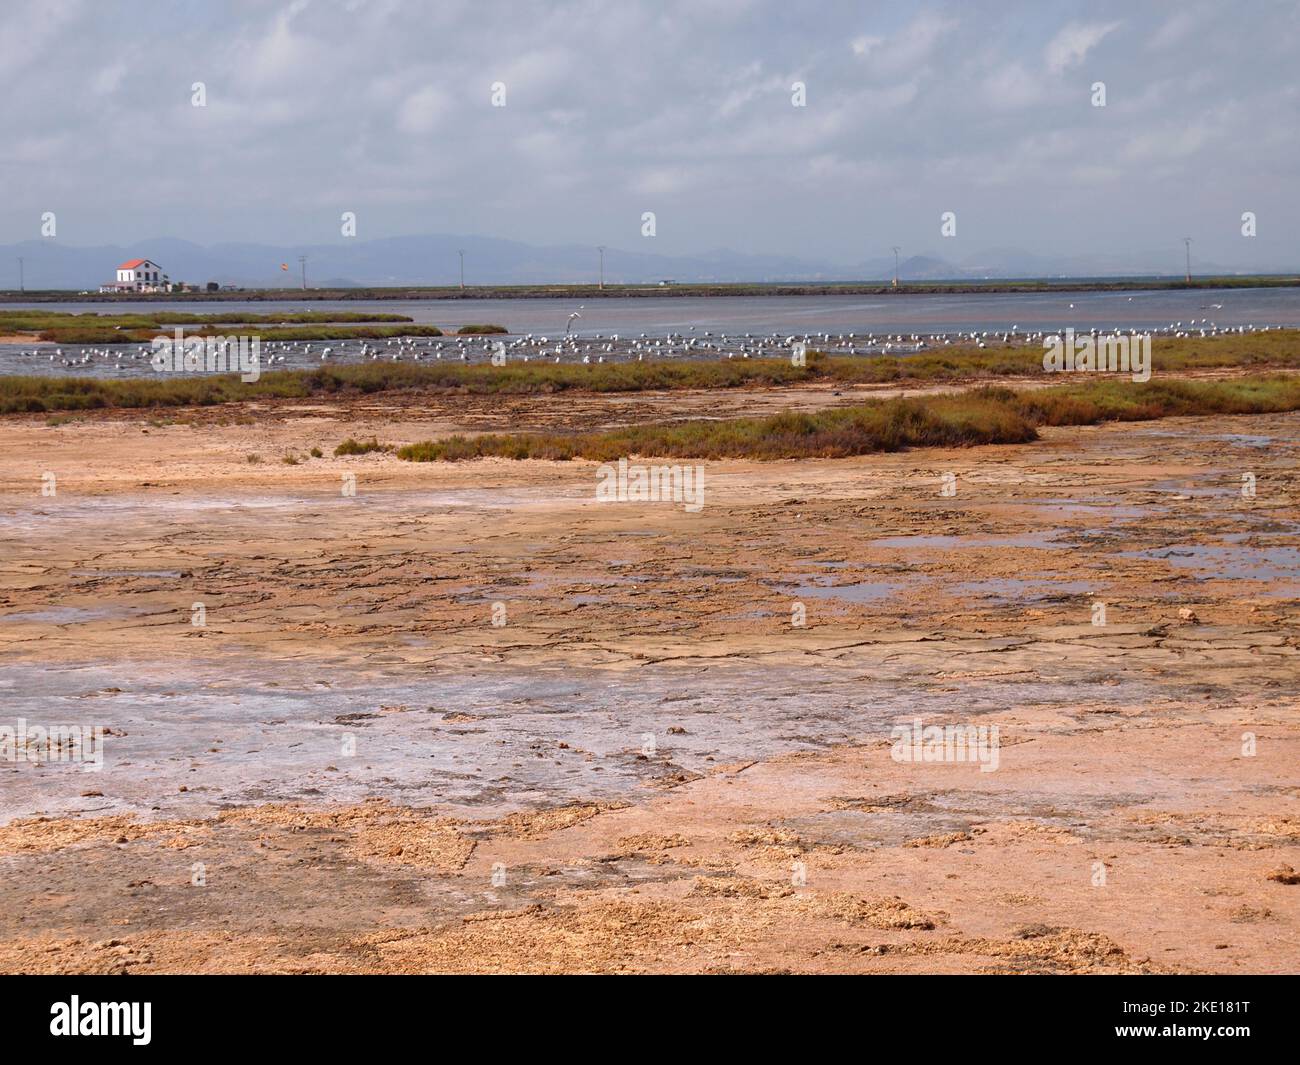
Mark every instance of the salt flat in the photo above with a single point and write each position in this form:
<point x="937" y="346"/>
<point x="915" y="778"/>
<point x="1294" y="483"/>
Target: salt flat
<point x="647" y="766"/>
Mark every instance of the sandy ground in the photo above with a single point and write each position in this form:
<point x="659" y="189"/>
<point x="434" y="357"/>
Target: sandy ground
<point x="648" y="766"/>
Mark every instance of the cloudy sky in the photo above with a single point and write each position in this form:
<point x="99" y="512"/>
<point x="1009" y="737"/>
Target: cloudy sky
<point x="384" y="108"/>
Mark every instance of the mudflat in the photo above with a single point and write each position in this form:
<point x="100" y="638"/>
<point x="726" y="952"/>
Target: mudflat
<point x="365" y="715"/>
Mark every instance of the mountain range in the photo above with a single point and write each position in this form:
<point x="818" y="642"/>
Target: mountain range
<point x="434" y="260"/>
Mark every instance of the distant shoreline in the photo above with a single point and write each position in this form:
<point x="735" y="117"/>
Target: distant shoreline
<point x="592" y="291"/>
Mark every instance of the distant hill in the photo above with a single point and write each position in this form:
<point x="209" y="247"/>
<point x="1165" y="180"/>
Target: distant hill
<point x="433" y="260"/>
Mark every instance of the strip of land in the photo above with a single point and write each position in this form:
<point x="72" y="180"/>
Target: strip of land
<point x="56" y="327"/>
<point x="594" y="291"/>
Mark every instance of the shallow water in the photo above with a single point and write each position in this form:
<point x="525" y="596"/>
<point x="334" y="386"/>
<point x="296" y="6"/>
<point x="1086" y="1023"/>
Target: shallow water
<point x="1020" y="590"/>
<point x="944" y="543"/>
<point x="937" y="316"/>
<point x="859" y="592"/>
<point x="1234" y="561"/>
<point x="765" y="314"/>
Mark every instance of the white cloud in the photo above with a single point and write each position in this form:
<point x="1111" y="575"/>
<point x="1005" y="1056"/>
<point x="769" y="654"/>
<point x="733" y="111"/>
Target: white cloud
<point x="108" y="79"/>
<point x="421" y="110"/>
<point x="902" y="52"/>
<point x="1012" y="86"/>
<point x="1072" y="44"/>
<point x="1180" y="25"/>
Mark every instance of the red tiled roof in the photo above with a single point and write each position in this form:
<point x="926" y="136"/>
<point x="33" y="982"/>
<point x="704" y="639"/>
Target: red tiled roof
<point x="131" y="264"/>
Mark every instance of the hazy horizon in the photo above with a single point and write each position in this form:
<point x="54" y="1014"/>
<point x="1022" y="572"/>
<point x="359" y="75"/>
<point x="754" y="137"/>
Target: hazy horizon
<point x="434" y="259"/>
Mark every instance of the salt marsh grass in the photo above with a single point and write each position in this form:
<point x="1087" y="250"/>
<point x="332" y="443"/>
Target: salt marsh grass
<point x="985" y="415"/>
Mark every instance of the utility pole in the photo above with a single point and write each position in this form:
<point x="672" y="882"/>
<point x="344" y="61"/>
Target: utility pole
<point x="462" y="269"/>
<point x="1187" y="241"/>
<point x="302" y="261"/>
<point x="897" y="249"/>
<point x="601" y="249"/>
<point x="20" y="274"/>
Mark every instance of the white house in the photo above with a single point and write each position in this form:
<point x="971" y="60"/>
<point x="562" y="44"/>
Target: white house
<point x="138" y="275"/>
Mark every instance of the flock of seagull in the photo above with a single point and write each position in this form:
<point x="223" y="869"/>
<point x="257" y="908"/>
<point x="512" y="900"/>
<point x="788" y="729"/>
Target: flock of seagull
<point x="135" y="359"/>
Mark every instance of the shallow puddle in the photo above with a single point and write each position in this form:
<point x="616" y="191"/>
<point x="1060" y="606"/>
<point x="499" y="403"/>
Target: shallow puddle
<point x="861" y="592"/>
<point x="1230" y="562"/>
<point x="1020" y="590"/>
<point x="944" y="543"/>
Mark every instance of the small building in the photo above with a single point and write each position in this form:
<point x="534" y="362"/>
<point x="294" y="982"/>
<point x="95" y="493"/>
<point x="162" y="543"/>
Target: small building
<point x="138" y="275"/>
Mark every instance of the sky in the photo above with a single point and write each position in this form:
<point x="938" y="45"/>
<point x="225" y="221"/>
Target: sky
<point x="384" y="108"/>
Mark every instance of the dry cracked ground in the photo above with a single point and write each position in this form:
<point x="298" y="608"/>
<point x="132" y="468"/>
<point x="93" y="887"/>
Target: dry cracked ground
<point x="321" y="755"/>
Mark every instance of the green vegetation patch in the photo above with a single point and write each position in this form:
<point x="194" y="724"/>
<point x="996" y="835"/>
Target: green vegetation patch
<point x="987" y="415"/>
<point x="361" y="447"/>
